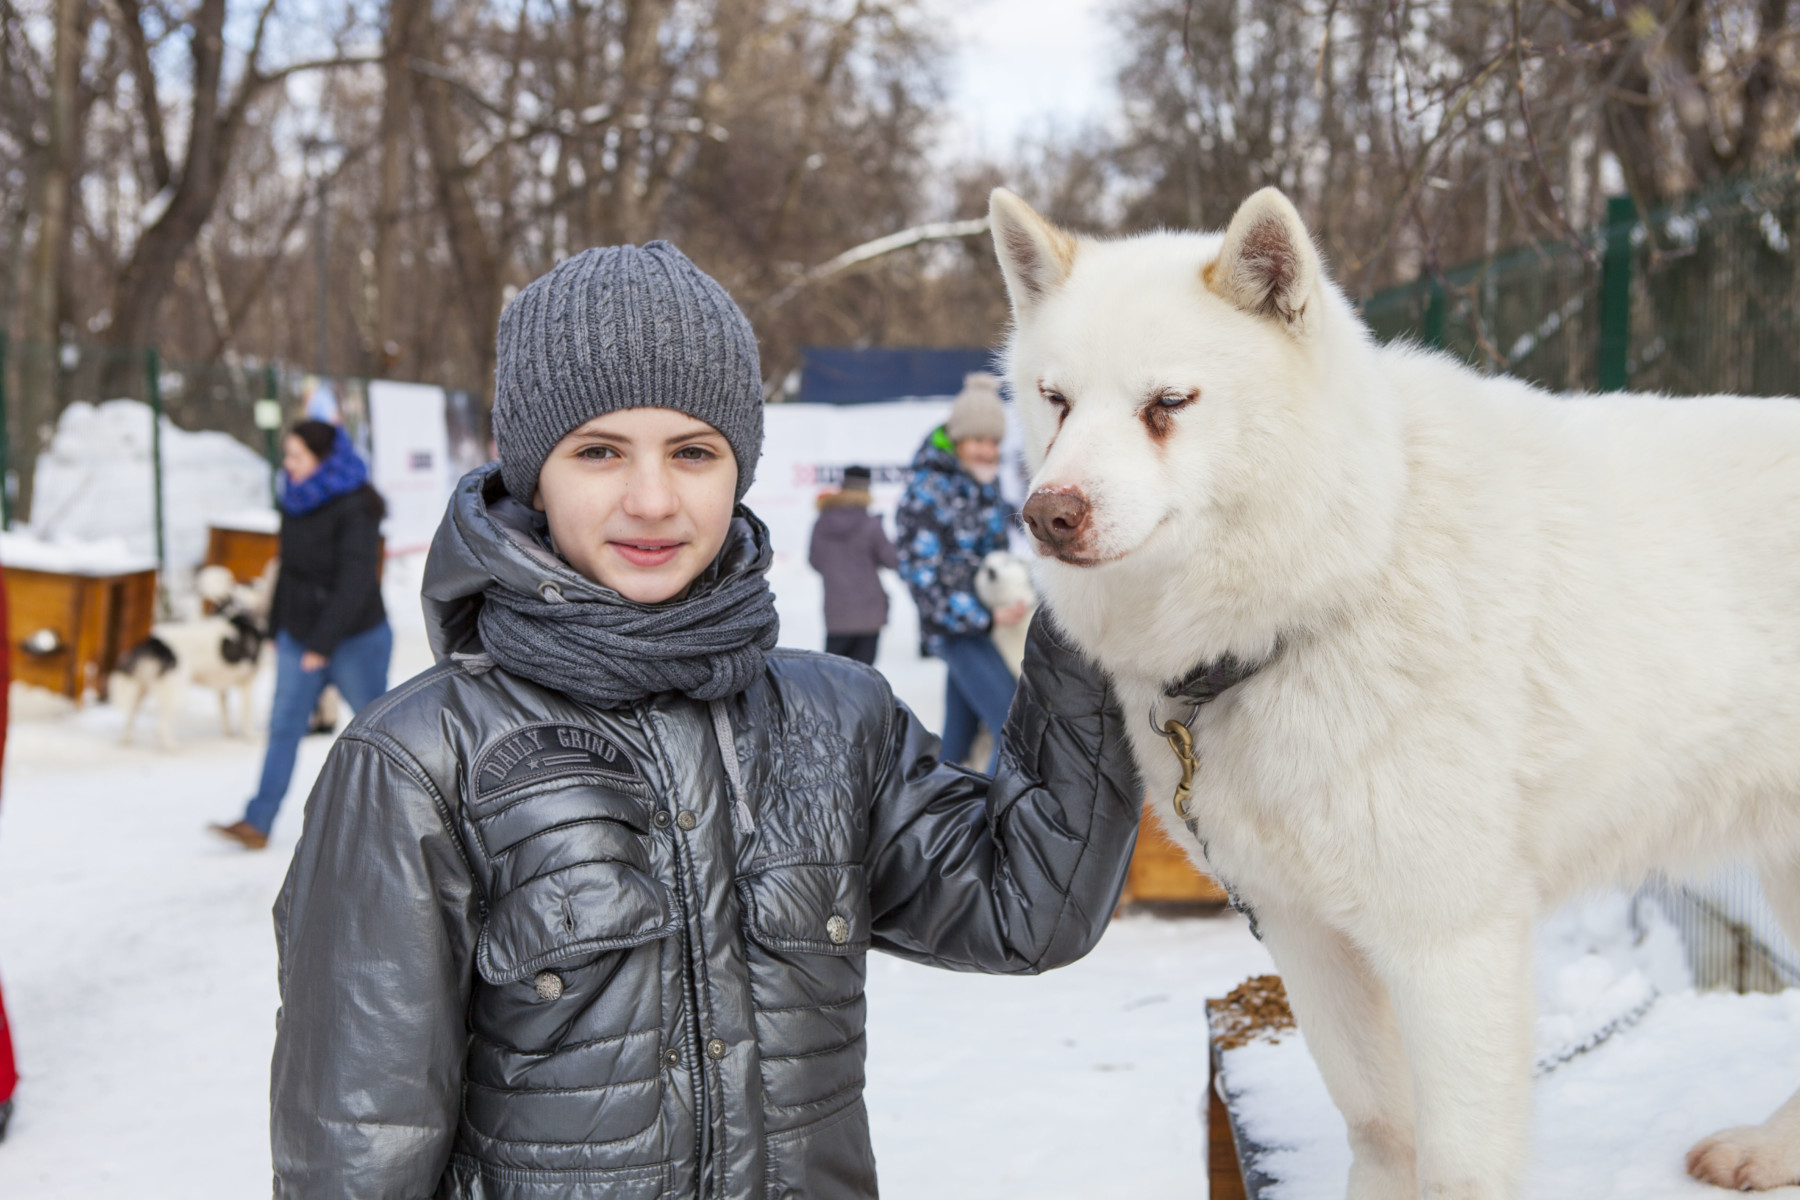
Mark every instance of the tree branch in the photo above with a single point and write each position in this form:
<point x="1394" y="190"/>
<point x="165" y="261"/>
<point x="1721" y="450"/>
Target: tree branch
<point x="935" y="231"/>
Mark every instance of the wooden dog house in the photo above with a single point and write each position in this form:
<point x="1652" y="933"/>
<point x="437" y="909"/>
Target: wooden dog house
<point x="244" y="548"/>
<point x="67" y="628"/>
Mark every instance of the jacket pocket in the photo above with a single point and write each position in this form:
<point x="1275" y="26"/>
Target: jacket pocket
<point x="808" y="937"/>
<point x="565" y="1066"/>
<point x="814" y="908"/>
<point x="569" y="916"/>
<point x="828" y="1158"/>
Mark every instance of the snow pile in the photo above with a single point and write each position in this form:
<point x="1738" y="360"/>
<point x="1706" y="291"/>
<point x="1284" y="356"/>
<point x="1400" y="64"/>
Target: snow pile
<point x="67" y="556"/>
<point x="250" y="520"/>
<point x="95" y="481"/>
<point x="1600" y="963"/>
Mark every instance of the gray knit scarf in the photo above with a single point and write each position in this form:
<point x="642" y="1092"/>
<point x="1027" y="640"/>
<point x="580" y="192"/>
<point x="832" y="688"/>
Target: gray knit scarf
<point x="608" y="651"/>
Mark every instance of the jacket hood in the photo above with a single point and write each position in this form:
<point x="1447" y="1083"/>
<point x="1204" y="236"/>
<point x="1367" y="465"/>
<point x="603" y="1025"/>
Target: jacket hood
<point x="842" y="522"/>
<point x="489" y="539"/>
<point x="853" y="498"/>
<point x="938" y="453"/>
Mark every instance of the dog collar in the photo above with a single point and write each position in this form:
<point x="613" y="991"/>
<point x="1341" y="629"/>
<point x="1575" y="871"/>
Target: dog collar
<point x="1210" y="680"/>
<point x="1198" y="688"/>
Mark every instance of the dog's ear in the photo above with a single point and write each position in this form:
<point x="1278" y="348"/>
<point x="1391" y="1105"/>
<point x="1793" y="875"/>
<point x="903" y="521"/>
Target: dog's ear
<point x="1268" y="264"/>
<point x="1035" y="256"/>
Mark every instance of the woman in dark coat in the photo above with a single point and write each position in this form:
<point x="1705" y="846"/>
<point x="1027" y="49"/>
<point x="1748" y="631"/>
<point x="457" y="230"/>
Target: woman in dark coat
<point x="327" y="619"/>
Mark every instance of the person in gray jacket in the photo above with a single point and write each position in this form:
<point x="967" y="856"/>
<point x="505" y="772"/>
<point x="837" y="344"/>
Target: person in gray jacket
<point x="583" y="910"/>
<point x="848" y="549"/>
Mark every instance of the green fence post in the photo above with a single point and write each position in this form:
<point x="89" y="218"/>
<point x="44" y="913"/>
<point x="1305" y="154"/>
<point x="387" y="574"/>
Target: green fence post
<point x="5" y="443"/>
<point x="1432" y="332"/>
<point x="1613" y="372"/>
<point x="152" y="374"/>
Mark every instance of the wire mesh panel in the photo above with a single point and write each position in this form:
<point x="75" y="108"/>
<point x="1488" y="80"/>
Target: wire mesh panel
<point x="1716" y="296"/>
<point x="1732" y="938"/>
<point x="1714" y="301"/>
<point x="1532" y="313"/>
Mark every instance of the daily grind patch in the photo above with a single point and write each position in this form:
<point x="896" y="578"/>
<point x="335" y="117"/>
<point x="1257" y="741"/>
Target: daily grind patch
<point x="539" y="752"/>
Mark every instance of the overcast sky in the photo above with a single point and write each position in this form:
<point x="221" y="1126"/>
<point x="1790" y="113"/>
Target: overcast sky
<point x="1023" y="64"/>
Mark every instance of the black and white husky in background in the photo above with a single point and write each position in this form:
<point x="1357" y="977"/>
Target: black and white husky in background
<point x="218" y="652"/>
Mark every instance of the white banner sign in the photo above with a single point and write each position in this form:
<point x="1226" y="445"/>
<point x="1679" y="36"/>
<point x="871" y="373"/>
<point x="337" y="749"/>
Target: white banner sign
<point x="410" y="460"/>
<point x="805" y="450"/>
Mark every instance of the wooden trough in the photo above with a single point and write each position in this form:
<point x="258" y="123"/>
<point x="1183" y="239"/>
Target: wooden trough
<point x="1255" y="1007"/>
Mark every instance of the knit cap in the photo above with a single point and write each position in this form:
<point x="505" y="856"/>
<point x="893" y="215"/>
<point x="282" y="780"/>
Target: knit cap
<point x="977" y="411"/>
<point x="621" y="327"/>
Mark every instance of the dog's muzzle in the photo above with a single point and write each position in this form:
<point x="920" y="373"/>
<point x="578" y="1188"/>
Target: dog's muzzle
<point x="1058" y="519"/>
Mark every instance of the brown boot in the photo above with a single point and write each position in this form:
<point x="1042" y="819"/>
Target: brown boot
<point x="243" y="833"/>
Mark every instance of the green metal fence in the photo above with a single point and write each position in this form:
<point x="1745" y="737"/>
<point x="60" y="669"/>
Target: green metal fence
<point x="1702" y="297"/>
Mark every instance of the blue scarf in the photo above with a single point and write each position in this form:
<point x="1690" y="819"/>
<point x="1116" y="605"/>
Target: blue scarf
<point x="341" y="472"/>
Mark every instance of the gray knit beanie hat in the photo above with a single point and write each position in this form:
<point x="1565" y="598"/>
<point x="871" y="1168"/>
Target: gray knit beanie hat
<point x="622" y="327"/>
<point x="978" y="411"/>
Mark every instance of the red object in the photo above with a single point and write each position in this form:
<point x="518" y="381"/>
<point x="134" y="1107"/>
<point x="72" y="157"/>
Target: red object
<point x="9" y="1072"/>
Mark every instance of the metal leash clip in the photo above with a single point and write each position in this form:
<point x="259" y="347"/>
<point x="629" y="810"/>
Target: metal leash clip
<point x="1180" y="736"/>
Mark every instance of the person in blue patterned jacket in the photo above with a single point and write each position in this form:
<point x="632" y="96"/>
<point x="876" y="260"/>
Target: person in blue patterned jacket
<point x="950" y="518"/>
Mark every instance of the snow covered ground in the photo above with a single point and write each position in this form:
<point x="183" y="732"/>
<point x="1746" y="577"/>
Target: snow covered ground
<point x="139" y="970"/>
<point x="1613" y="1124"/>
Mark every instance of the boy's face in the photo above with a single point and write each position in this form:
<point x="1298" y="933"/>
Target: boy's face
<point x="640" y="500"/>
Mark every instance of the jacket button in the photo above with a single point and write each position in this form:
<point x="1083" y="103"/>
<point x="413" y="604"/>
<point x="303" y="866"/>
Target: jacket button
<point x="672" y="1057"/>
<point x="661" y="818"/>
<point x="715" y="1049"/>
<point x="549" y="985"/>
<point x="837" y="929"/>
<point x="687" y="820"/>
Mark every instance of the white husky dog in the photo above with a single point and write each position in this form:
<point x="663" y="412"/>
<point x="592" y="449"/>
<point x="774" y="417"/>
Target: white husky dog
<point x="1511" y="647"/>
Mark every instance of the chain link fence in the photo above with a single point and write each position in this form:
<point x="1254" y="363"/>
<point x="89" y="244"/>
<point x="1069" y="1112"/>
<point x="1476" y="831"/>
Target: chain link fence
<point x="1701" y="297"/>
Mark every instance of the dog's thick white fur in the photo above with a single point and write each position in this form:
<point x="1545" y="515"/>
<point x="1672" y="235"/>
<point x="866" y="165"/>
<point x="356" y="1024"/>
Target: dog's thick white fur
<point x="1522" y="646"/>
<point x="183" y="653"/>
<point x="1004" y="579"/>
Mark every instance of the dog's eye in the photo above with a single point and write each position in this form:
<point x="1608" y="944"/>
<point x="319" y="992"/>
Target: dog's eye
<point x="1176" y="399"/>
<point x="1053" y="396"/>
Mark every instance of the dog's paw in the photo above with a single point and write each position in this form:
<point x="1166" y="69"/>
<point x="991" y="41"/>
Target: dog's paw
<point x="1748" y="1158"/>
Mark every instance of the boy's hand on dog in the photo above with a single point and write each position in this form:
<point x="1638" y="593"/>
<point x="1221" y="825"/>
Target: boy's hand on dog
<point x="1012" y="614"/>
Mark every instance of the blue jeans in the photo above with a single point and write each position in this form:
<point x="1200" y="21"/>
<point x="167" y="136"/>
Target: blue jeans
<point x="359" y="670"/>
<point x="978" y="686"/>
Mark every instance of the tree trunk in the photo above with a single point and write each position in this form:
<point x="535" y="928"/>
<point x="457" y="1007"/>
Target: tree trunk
<point x="396" y="113"/>
<point x="478" y="260"/>
<point x="36" y="404"/>
<point x="149" y="273"/>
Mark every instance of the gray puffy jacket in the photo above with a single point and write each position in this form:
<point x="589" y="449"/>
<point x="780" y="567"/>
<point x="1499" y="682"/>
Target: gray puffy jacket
<point x="524" y="955"/>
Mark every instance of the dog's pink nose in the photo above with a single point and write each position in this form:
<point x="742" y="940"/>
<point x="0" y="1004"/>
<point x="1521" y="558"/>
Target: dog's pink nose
<point x="1056" y="518"/>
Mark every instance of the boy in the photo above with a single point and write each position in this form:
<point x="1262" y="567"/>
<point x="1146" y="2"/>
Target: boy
<point x="582" y="911"/>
